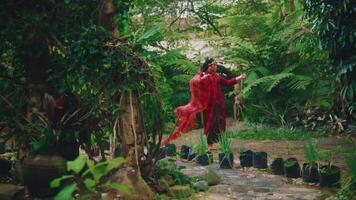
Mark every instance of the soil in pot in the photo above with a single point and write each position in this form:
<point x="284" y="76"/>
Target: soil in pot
<point x="329" y="176"/>
<point x="310" y="173"/>
<point x="40" y="170"/>
<point x="171" y="149"/>
<point x="226" y="161"/>
<point x="277" y="166"/>
<point x="205" y="159"/>
<point x="292" y="168"/>
<point x="259" y="160"/>
<point x="246" y="158"/>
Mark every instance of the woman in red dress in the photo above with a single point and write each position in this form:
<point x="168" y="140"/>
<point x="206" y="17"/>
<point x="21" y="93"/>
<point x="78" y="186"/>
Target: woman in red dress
<point x="206" y="97"/>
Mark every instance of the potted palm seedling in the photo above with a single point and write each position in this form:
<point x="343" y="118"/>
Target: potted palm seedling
<point x="226" y="157"/>
<point x="291" y="165"/>
<point x="55" y="140"/>
<point x="329" y="173"/>
<point x="204" y="157"/>
<point x="310" y="169"/>
<point x="187" y="152"/>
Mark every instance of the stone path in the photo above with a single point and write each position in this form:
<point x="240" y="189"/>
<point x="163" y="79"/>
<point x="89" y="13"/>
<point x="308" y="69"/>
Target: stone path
<point x="248" y="184"/>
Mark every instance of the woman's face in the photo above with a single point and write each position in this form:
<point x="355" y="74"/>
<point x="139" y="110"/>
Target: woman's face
<point x="212" y="68"/>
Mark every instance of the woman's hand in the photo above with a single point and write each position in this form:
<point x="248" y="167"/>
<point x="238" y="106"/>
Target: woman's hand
<point x="241" y="77"/>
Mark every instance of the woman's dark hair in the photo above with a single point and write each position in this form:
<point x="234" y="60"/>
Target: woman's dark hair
<point x="206" y="64"/>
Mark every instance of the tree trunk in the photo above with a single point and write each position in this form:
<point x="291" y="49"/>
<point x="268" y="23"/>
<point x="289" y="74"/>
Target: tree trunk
<point x="130" y="127"/>
<point x="131" y="132"/>
<point x="291" y="6"/>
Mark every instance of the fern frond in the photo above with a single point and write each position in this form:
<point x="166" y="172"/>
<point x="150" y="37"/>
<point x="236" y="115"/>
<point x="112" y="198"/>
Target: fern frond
<point x="271" y="81"/>
<point x="299" y="82"/>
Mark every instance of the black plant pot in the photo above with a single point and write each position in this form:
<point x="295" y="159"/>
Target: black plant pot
<point x="246" y="158"/>
<point x="117" y="152"/>
<point x="310" y="173"/>
<point x="191" y="155"/>
<point x="277" y="166"/>
<point x="205" y="159"/>
<point x="171" y="149"/>
<point x="260" y="160"/>
<point x="162" y="153"/>
<point x="69" y="151"/>
<point x="292" y="168"/>
<point x="329" y="176"/>
<point x="184" y="152"/>
<point x="187" y="153"/>
<point x="5" y="166"/>
<point x="226" y="161"/>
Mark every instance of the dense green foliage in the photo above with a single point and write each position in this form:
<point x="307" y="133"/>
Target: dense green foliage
<point x="86" y="179"/>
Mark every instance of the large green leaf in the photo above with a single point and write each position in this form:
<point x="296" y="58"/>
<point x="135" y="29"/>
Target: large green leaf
<point x="57" y="182"/>
<point x="89" y="183"/>
<point x="151" y="33"/>
<point x="76" y="165"/>
<point x="67" y="192"/>
<point x="114" y="163"/>
<point x="116" y="186"/>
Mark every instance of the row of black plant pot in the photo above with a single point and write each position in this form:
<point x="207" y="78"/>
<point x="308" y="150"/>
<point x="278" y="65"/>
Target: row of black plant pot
<point x="253" y="159"/>
<point x="187" y="153"/>
<point x="327" y="176"/>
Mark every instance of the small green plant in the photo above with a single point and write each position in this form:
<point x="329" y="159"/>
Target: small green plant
<point x="311" y="151"/>
<point x="290" y="163"/>
<point x="202" y="146"/>
<point x="86" y="178"/>
<point x="225" y="143"/>
<point x="326" y="157"/>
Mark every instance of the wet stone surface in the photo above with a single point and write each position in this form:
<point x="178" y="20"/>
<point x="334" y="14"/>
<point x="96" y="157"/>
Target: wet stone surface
<point x="249" y="183"/>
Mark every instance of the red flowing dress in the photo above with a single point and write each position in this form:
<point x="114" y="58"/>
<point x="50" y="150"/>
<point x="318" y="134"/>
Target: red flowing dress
<point x="205" y="96"/>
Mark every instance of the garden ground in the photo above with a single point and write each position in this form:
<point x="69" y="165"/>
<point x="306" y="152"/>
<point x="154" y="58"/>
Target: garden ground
<point x="249" y="183"/>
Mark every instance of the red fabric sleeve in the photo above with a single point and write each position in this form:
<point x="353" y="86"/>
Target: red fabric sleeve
<point x="227" y="82"/>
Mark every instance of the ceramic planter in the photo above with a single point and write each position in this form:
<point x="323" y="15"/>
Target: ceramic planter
<point x="310" y="173"/>
<point x="205" y="159"/>
<point x="226" y="161"/>
<point x="277" y="166"/>
<point x="246" y="158"/>
<point x="329" y="176"/>
<point x="171" y="149"/>
<point x="40" y="170"/>
<point x="259" y="160"/>
<point x="292" y="168"/>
